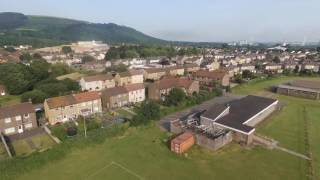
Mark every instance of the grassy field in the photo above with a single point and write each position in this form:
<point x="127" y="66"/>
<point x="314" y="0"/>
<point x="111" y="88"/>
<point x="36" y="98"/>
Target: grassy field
<point x="3" y="153"/>
<point x="74" y="76"/>
<point x="288" y="125"/>
<point x="9" y="100"/>
<point x="143" y="154"/>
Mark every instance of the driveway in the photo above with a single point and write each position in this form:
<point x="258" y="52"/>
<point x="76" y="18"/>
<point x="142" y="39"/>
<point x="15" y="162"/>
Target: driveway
<point x="164" y="123"/>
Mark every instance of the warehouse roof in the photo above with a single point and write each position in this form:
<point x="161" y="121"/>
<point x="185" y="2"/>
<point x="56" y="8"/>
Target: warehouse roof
<point x="240" y="113"/>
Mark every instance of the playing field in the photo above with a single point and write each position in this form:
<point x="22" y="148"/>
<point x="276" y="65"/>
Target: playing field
<point x="142" y="153"/>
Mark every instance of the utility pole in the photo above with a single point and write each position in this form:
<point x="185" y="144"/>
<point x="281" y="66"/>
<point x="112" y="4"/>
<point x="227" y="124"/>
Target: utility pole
<point x="85" y="126"/>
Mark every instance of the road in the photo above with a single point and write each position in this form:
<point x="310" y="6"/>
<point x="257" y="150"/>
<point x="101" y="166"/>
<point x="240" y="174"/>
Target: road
<point x="164" y="123"/>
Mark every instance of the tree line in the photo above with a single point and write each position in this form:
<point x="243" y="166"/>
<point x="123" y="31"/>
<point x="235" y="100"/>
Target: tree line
<point x="36" y="81"/>
<point x="125" y="52"/>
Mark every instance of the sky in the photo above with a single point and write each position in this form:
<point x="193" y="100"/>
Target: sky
<point x="191" y="20"/>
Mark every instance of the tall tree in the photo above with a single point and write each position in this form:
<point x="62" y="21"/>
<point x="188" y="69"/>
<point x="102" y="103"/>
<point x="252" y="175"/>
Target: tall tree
<point x="66" y="49"/>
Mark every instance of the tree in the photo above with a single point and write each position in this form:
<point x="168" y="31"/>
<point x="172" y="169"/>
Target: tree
<point x="25" y="57"/>
<point x="149" y="110"/>
<point x="40" y="69"/>
<point x="60" y="69"/>
<point x="113" y="53"/>
<point x="10" y="49"/>
<point x="246" y="74"/>
<point x="276" y="59"/>
<point x="16" y="77"/>
<point x="66" y="49"/>
<point x="37" y="56"/>
<point x="36" y="96"/>
<point x="175" y="97"/>
<point x="88" y="58"/>
<point x="118" y="68"/>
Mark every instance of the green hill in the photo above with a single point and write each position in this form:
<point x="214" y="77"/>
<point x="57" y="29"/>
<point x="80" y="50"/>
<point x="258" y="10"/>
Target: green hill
<point x="39" y="31"/>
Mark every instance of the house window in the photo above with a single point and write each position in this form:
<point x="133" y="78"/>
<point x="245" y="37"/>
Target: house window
<point x="83" y="104"/>
<point x="7" y="120"/>
<point x="28" y="126"/>
<point x="18" y="118"/>
<point x="26" y="115"/>
<point x="9" y="130"/>
<point x="95" y="101"/>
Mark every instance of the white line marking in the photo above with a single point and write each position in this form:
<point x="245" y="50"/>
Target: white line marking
<point x="98" y="171"/>
<point x="120" y="166"/>
<point x="129" y="171"/>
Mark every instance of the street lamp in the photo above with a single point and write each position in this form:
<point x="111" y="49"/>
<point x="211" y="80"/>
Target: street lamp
<point x="85" y="112"/>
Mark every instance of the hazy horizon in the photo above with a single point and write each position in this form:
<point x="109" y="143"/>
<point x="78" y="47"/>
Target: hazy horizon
<point x="201" y="21"/>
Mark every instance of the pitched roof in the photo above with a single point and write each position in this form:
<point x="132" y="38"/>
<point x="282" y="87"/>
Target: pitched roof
<point x="68" y="100"/>
<point x="174" y="82"/>
<point x="191" y="65"/>
<point x="240" y="111"/>
<point x="115" y="91"/>
<point x="154" y="70"/>
<point x="215" y="111"/>
<point x="211" y="74"/>
<point x="14" y="110"/>
<point x="134" y="87"/>
<point x="99" y="77"/>
<point x="131" y="72"/>
<point x="86" y="96"/>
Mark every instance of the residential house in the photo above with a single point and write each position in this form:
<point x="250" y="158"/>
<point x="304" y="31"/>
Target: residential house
<point x="310" y="66"/>
<point x="129" y="77"/>
<point x="115" y="97"/>
<point x="248" y="67"/>
<point x="209" y="77"/>
<point x="175" y="71"/>
<point x="159" y="89"/>
<point x="136" y="93"/>
<point x="154" y="73"/>
<point x="273" y="68"/>
<point x="191" y="68"/>
<point x="65" y="108"/>
<point x="290" y="65"/>
<point x="3" y="91"/>
<point x="233" y="70"/>
<point x="17" y="118"/>
<point x="97" y="82"/>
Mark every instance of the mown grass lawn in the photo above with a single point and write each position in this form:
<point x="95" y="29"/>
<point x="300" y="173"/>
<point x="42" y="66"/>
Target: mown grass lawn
<point x="143" y="154"/>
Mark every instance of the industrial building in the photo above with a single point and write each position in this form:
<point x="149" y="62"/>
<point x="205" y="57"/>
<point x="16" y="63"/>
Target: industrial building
<point x="220" y="124"/>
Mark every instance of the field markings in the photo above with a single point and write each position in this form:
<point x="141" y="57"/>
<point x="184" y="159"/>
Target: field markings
<point x="118" y="165"/>
<point x="98" y="171"/>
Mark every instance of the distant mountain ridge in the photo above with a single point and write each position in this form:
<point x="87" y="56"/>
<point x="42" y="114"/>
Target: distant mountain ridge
<point x="39" y="31"/>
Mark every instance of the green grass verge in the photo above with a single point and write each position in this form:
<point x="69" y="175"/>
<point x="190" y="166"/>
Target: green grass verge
<point x="9" y="100"/>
